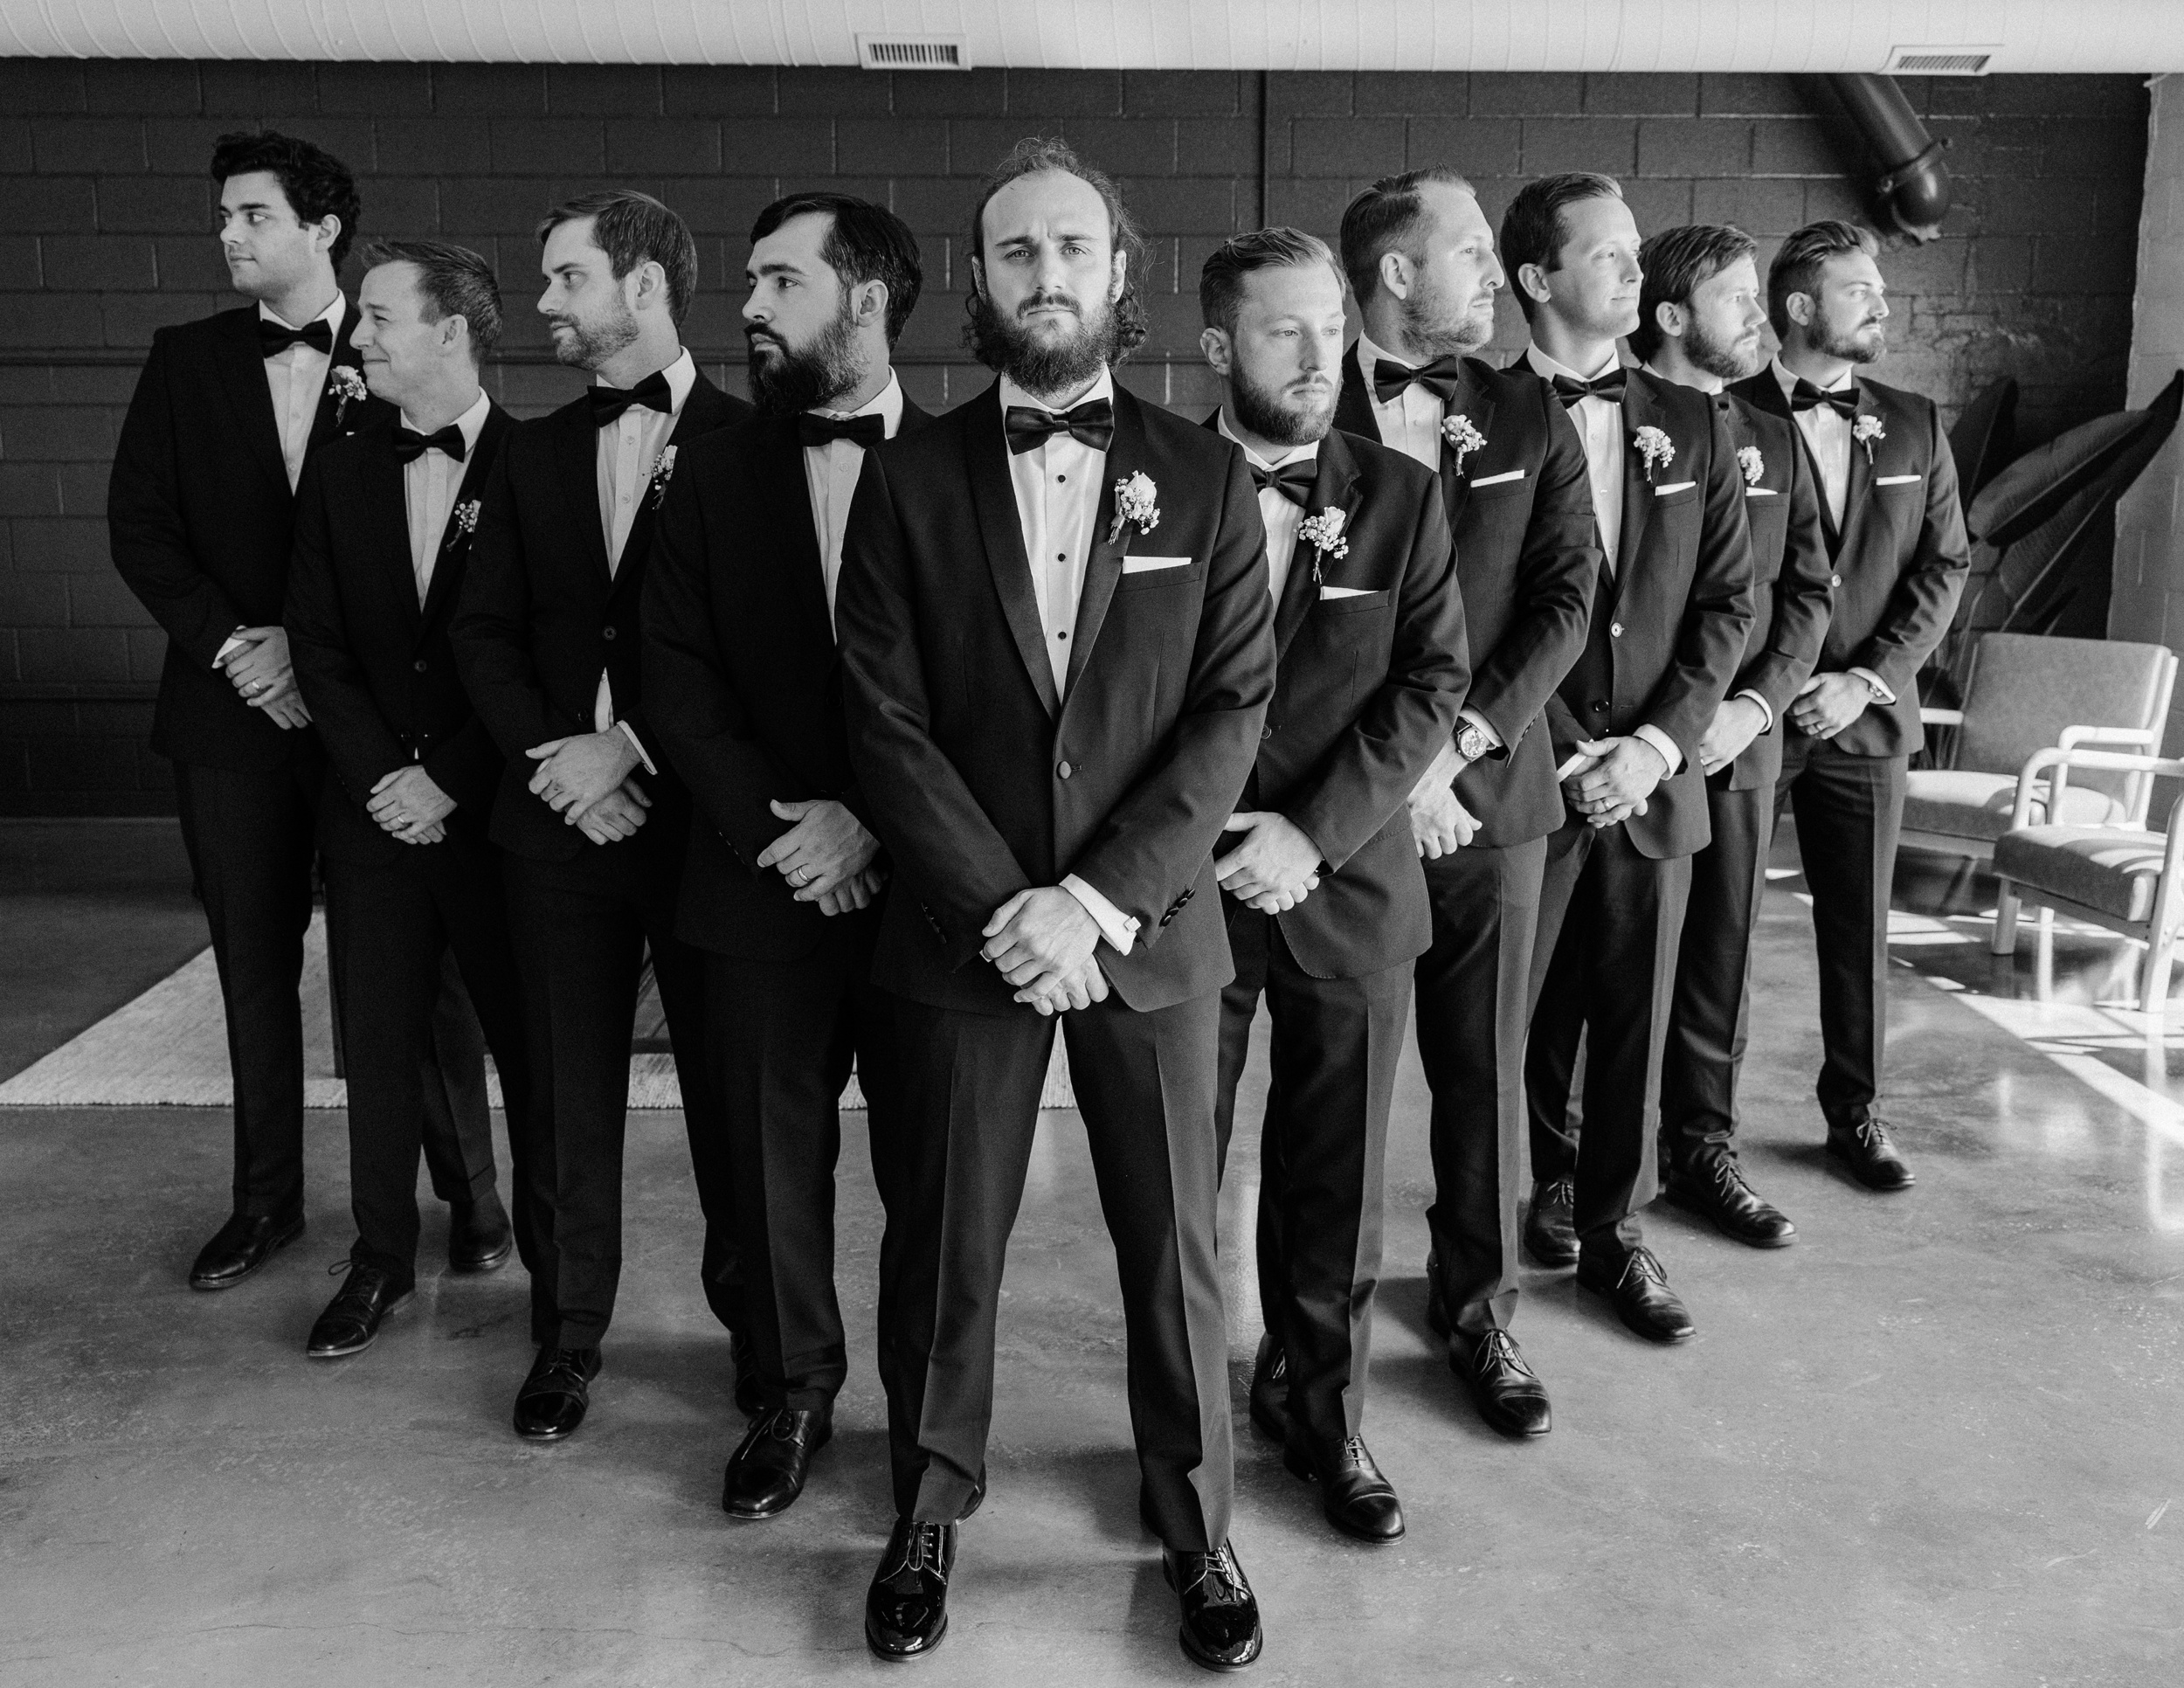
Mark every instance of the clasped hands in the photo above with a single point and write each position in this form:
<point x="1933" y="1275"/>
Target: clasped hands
<point x="410" y="805"/>
<point x="1042" y="939"/>
<point x="827" y="856"/>
<point x="1736" y="723"/>
<point x="586" y="779"/>
<point x="1440" y="824"/>
<point x="1610" y="779"/>
<point x="263" y="677"/>
<point x="1829" y="703"/>
<point x="1273" y="867"/>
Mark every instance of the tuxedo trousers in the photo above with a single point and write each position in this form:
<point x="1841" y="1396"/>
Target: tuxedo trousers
<point x="782" y="1036"/>
<point x="582" y="928"/>
<point x="1473" y="993"/>
<point x="399" y="923"/>
<point x="970" y="1089"/>
<point x="1322" y="1157"/>
<point x="1603" y="971"/>
<point x="1849" y="814"/>
<point x="1709" y="1015"/>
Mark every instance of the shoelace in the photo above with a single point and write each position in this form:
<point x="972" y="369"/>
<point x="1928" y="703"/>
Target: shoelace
<point x="1563" y="1191"/>
<point x="1873" y="1134"/>
<point x="1499" y="1347"/>
<point x="921" y="1553"/>
<point x="1730" y="1176"/>
<point x="1642" y="1263"/>
<point x="1223" y="1577"/>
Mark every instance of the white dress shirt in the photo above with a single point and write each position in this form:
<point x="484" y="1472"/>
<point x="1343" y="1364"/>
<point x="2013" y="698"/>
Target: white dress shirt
<point x="296" y="378"/>
<point x="830" y="475"/>
<point x="1828" y="437"/>
<point x="430" y="481"/>
<point x="1283" y="519"/>
<point x="1058" y="485"/>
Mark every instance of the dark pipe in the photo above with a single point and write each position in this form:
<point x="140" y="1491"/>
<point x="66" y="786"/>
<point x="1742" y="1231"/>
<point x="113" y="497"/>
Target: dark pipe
<point x="1913" y="186"/>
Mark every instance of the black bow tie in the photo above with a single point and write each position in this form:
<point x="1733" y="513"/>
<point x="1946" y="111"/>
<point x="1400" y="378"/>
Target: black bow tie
<point x="1806" y="396"/>
<point x="409" y="444"/>
<point x="608" y="403"/>
<point x="865" y="431"/>
<point x="1090" y="424"/>
<point x="1440" y="377"/>
<point x="1572" y="391"/>
<point x="274" y="338"/>
<point x="1293" y="480"/>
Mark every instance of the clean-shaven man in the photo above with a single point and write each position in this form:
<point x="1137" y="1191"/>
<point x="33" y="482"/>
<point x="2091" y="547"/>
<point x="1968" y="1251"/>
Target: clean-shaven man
<point x="1058" y="644"/>
<point x="590" y="813"/>
<point x="1325" y="904"/>
<point x="1894" y="530"/>
<point x="783" y="892"/>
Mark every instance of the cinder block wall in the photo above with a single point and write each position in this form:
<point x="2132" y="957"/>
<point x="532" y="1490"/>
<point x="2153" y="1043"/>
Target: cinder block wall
<point x="105" y="218"/>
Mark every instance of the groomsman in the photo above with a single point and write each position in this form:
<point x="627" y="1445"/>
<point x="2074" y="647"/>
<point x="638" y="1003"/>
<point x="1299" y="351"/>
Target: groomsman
<point x="1057" y="640"/>
<point x="591" y="818"/>
<point x="1894" y="531"/>
<point x="1419" y="255"/>
<point x="383" y="527"/>
<point x="782" y="893"/>
<point x="1700" y="317"/>
<point x="1670" y="621"/>
<point x="1325" y="904"/>
<point x="201" y="510"/>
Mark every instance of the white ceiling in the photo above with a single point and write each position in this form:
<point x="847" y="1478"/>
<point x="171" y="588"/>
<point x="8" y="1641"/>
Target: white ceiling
<point x="1284" y="35"/>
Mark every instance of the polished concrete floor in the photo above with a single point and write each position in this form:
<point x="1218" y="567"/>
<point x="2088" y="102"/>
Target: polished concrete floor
<point x="1937" y="1442"/>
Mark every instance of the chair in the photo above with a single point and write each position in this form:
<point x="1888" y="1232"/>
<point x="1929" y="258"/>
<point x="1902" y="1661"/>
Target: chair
<point x="2120" y="876"/>
<point x="2026" y="693"/>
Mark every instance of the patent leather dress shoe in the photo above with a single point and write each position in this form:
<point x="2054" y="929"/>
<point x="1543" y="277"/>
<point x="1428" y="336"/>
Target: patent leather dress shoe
<point x="750" y="1397"/>
<point x="350" y="1323"/>
<point x="1509" y="1397"/>
<point x="1868" y="1155"/>
<point x="1638" y="1290"/>
<point x="1358" y="1499"/>
<point x="1712" y="1185"/>
<point x="1551" y="1229"/>
<point x="906" y="1608"/>
<point x="479" y="1237"/>
<point x="1220" y="1615"/>
<point x="766" y="1473"/>
<point x="1270" y="1390"/>
<point x="239" y="1247"/>
<point x="552" y="1401"/>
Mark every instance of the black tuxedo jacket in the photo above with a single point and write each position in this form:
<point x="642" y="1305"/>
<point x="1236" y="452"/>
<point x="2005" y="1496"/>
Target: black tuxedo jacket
<point x="1900" y="556"/>
<point x="1365" y="693"/>
<point x="541" y="614"/>
<point x="981" y="780"/>
<point x="1520" y="511"/>
<point x="742" y="679"/>
<point x="1669" y="630"/>
<point x="200" y="520"/>
<point x="375" y="667"/>
<point x="1792" y="580"/>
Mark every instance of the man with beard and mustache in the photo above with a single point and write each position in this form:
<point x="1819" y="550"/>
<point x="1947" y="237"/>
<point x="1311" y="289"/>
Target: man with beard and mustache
<point x="1058" y="647"/>
<point x="781" y="892"/>
<point x="1700" y="317"/>
<point x="1421" y="259"/>
<point x="590" y="814"/>
<point x="1326" y="903"/>
<point x="1894" y="532"/>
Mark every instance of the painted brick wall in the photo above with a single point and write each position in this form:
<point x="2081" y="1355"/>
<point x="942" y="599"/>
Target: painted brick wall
<point x="105" y="214"/>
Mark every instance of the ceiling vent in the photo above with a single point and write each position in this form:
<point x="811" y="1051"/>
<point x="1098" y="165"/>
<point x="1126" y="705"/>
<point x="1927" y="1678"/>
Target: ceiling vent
<point x="1938" y="61"/>
<point x="914" y="52"/>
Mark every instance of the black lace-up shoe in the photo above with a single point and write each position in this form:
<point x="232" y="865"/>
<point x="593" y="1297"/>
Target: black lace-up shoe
<point x="766" y="1474"/>
<point x="1868" y="1155"/>
<point x="1270" y="1390"/>
<point x="1638" y="1288"/>
<point x="1712" y="1184"/>
<point x="240" y="1248"/>
<point x="1359" y="1500"/>
<point x="554" y="1397"/>
<point x="1550" y="1229"/>
<point x="1220" y="1615"/>
<point x="350" y="1323"/>
<point x="1509" y="1395"/>
<point x="480" y="1236"/>
<point x="906" y="1608"/>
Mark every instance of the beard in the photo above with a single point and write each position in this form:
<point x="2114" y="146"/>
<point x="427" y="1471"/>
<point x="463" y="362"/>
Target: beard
<point x="589" y="344"/>
<point x="791" y="379"/>
<point x="1436" y="326"/>
<point x="1721" y="358"/>
<point x="1045" y="366"/>
<point x="1279" y="416"/>
<point x="1864" y="344"/>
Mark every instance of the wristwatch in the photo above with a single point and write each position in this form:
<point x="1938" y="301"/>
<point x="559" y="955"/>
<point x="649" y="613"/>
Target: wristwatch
<point x="1471" y="743"/>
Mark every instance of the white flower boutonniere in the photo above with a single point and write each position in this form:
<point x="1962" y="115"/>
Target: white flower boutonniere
<point x="1138" y="502"/>
<point x="347" y="388"/>
<point x="1462" y="437"/>
<point x="1655" y="449"/>
<point x="663" y="471"/>
<point x="466" y="517"/>
<point x="1865" y="431"/>
<point x="1751" y="463"/>
<point x="1324" y="533"/>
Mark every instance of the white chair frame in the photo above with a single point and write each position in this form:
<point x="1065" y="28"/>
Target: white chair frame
<point x="2138" y="789"/>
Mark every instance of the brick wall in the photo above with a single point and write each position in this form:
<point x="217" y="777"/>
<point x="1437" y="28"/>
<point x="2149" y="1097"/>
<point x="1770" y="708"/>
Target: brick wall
<point x="105" y="214"/>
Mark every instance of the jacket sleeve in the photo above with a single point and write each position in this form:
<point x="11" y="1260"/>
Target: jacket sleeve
<point x="1717" y="613"/>
<point x="1924" y="598"/>
<point x="1369" y="770"/>
<point x="1803" y="594"/>
<point x="491" y="631"/>
<point x="363" y="749"/>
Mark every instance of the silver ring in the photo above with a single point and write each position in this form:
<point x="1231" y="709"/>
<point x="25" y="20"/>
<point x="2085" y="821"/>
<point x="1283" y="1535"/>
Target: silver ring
<point x="806" y="872"/>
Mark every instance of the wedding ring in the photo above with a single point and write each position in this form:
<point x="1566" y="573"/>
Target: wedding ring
<point x="804" y="875"/>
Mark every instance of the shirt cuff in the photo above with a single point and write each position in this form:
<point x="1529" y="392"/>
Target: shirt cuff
<point x="1661" y="742"/>
<point x="1486" y="728"/>
<point x="638" y="744"/>
<point x="1766" y="714"/>
<point x="1886" y="692"/>
<point x="1116" y="927"/>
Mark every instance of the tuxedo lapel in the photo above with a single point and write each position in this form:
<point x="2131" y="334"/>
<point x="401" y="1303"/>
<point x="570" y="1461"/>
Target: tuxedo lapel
<point x="1334" y="487"/>
<point x="387" y="516"/>
<point x="1125" y="457"/>
<point x="577" y="454"/>
<point x="1353" y="404"/>
<point x="336" y="412"/>
<point x="795" y="546"/>
<point x="1471" y="402"/>
<point x="993" y="498"/>
<point x="1860" y="484"/>
<point x="242" y="366"/>
<point x="454" y="541"/>
<point x="1639" y="412"/>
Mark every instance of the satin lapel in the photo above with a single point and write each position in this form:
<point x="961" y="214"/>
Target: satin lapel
<point x="1471" y="401"/>
<point x="1335" y="487"/>
<point x="454" y="541"/>
<point x="334" y="413"/>
<point x="577" y="454"/>
<point x="1860" y="485"/>
<point x="1125" y="457"/>
<point x="242" y="367"/>
<point x="387" y="510"/>
<point x="1638" y="412"/>
<point x="993" y="498"/>
<point x="796" y="547"/>
<point x="1353" y="404"/>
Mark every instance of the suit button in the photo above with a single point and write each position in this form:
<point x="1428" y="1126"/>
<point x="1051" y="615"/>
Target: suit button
<point x="606" y="632"/>
<point x="1835" y="580"/>
<point x="1614" y="630"/>
<point x="419" y="665"/>
<point x="1064" y="770"/>
<point x="1600" y="709"/>
<point x="1265" y="732"/>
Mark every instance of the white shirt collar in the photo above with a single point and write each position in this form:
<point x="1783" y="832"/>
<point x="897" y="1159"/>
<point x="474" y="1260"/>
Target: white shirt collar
<point x="1549" y="367"/>
<point x="1103" y="388"/>
<point x="1369" y="352"/>
<point x="1308" y="453"/>
<point x="471" y="422"/>
<point x="682" y="375"/>
<point x="888" y="407"/>
<point x="1843" y="383"/>
<point x="331" y="317"/>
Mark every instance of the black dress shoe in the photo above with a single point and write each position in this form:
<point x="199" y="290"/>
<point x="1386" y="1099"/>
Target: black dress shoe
<point x="1712" y="1184"/>
<point x="1508" y="1395"/>
<point x="906" y="1608"/>
<point x="552" y="1403"/>
<point x="350" y="1323"/>
<point x="1270" y="1389"/>
<point x="1358" y="1499"/>
<point x="1220" y="1615"/>
<point x="239" y="1247"/>
<point x="1638" y="1288"/>
<point x="1868" y="1155"/>
<point x="478" y="1235"/>
<point x="1550" y="1229"/>
<point x="750" y="1395"/>
<point x="766" y="1473"/>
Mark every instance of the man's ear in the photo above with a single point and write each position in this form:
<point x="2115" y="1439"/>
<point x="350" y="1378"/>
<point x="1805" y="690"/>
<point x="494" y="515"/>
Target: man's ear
<point x="1669" y="317"/>
<point x="978" y="277"/>
<point x="871" y="304"/>
<point x="1799" y="308"/>
<point x="1533" y="279"/>
<point x="651" y="277"/>
<point x="1118" y="276"/>
<point x="1395" y="275"/>
<point x="1219" y="355"/>
<point x="325" y="233"/>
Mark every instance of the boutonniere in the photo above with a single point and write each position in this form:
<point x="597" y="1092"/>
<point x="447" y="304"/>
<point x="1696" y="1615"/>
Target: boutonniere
<point x="1324" y="533"/>
<point x="1655" y="449"/>
<point x="1136" y="501"/>
<point x="663" y="471"/>
<point x="1865" y="431"/>
<point x="1462" y="437"/>
<point x="466" y="517"/>
<point x="1751" y="463"/>
<point x="348" y="387"/>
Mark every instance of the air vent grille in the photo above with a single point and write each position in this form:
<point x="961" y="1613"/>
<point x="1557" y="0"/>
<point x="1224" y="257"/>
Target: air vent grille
<point x="914" y="52"/>
<point x="1939" y="61"/>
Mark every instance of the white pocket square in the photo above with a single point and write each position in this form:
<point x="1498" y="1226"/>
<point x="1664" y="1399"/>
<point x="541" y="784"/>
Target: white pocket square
<point x="1147" y="564"/>
<point x="1674" y="486"/>
<point x="1761" y="492"/>
<point x="1496" y="480"/>
<point x="1326" y="592"/>
<point x="1896" y="481"/>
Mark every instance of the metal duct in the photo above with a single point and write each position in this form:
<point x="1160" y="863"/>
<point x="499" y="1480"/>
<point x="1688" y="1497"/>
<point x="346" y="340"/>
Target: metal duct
<point x="1913" y="187"/>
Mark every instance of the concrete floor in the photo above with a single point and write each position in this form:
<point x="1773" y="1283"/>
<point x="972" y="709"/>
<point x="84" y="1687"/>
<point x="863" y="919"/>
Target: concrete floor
<point x="1931" y="1444"/>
